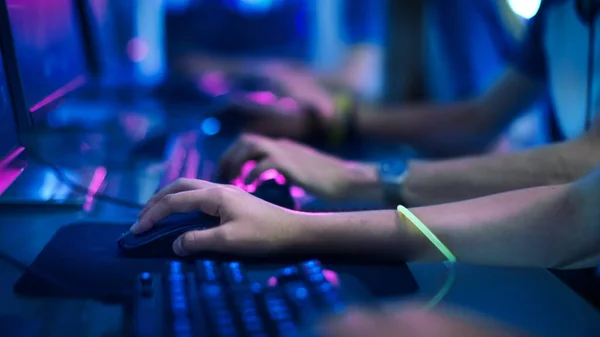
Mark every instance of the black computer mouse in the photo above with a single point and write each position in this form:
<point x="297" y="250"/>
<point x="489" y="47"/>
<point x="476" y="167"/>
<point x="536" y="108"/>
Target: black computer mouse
<point x="158" y="241"/>
<point x="275" y="193"/>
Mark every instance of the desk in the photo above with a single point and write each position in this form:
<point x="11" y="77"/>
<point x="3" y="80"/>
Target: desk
<point x="529" y="298"/>
<point x="532" y="299"/>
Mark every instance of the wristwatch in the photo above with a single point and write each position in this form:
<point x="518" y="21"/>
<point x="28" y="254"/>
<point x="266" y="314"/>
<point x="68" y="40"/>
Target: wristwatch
<point x="391" y="176"/>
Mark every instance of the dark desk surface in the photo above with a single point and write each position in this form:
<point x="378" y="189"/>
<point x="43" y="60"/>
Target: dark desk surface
<point x="529" y="298"/>
<point x="532" y="299"/>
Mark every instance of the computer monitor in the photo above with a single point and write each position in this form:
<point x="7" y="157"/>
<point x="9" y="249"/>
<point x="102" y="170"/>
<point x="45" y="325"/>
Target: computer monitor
<point x="22" y="181"/>
<point x="25" y="179"/>
<point x="9" y="140"/>
<point x="100" y="39"/>
<point x="43" y="39"/>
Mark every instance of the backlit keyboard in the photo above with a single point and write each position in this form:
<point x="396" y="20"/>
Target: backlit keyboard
<point x="217" y="299"/>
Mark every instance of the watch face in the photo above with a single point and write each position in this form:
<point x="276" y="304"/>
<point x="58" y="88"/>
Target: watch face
<point x="394" y="168"/>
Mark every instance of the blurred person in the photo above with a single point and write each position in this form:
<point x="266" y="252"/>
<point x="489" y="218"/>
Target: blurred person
<point x="459" y="128"/>
<point x="486" y="115"/>
<point x="469" y="44"/>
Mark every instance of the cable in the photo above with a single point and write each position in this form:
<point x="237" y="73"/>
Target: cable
<point x="79" y="188"/>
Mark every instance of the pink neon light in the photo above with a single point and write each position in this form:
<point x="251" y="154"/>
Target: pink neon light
<point x="331" y="277"/>
<point x="176" y="164"/>
<point x="247" y="168"/>
<point x="7" y="177"/>
<point x="74" y="84"/>
<point x="262" y="97"/>
<point x="94" y="187"/>
<point x="271" y="174"/>
<point x="297" y="192"/>
<point x="192" y="164"/>
<point x="214" y="83"/>
<point x="4" y="162"/>
<point x="251" y="188"/>
<point x="137" y="49"/>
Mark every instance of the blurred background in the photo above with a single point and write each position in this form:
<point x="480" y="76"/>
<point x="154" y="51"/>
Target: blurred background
<point x="387" y="51"/>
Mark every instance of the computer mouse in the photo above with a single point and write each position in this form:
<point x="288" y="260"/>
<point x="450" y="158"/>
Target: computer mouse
<point x="158" y="241"/>
<point x="275" y="193"/>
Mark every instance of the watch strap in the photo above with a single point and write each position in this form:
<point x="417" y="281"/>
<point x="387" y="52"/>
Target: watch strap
<point x="391" y="178"/>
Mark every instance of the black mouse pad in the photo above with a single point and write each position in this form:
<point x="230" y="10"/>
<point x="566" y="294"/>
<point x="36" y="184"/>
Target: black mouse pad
<point x="82" y="260"/>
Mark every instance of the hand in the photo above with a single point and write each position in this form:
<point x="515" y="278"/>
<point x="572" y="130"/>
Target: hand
<point x="285" y="116"/>
<point x="303" y="86"/>
<point x="410" y="321"/>
<point x="319" y="174"/>
<point x="249" y="226"/>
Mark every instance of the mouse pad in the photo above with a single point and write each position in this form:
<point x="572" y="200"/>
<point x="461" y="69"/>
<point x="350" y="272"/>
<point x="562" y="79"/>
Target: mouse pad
<point x="82" y="260"/>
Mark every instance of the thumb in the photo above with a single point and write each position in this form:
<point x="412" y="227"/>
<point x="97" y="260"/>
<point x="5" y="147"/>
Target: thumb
<point x="197" y="241"/>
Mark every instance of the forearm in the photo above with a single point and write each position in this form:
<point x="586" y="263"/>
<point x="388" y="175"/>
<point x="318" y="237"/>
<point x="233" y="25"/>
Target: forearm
<point x="459" y="179"/>
<point x="450" y="129"/>
<point x="538" y="227"/>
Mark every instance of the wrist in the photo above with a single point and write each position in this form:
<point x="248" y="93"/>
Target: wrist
<point x="334" y="232"/>
<point x="336" y="123"/>
<point x="375" y="233"/>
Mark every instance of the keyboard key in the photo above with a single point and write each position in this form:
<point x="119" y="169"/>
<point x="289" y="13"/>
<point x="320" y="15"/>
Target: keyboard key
<point x="217" y="299"/>
<point x="235" y="273"/>
<point x="288" y="274"/>
<point x="300" y="301"/>
<point x="247" y="310"/>
<point x="179" y="301"/>
<point x="208" y="271"/>
<point x="277" y="314"/>
<point x="218" y="310"/>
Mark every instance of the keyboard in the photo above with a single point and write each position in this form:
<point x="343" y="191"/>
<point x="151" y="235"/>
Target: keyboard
<point x="217" y="299"/>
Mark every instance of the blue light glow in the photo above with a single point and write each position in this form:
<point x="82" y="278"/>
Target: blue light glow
<point x="525" y="8"/>
<point x="254" y="6"/>
<point x="211" y="126"/>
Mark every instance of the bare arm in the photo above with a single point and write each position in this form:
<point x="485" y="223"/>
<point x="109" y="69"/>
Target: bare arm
<point x="459" y="179"/>
<point x="455" y="128"/>
<point x="552" y="226"/>
<point x="357" y="71"/>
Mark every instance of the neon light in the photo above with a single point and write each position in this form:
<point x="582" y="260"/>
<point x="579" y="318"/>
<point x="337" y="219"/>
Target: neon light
<point x="192" y="164"/>
<point x="525" y="8"/>
<point x="297" y="192"/>
<point x="74" y="84"/>
<point x="330" y="275"/>
<point x="4" y="162"/>
<point x="211" y="126"/>
<point x="262" y="97"/>
<point x="214" y="83"/>
<point x="7" y="177"/>
<point x="94" y="187"/>
<point x="138" y="49"/>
